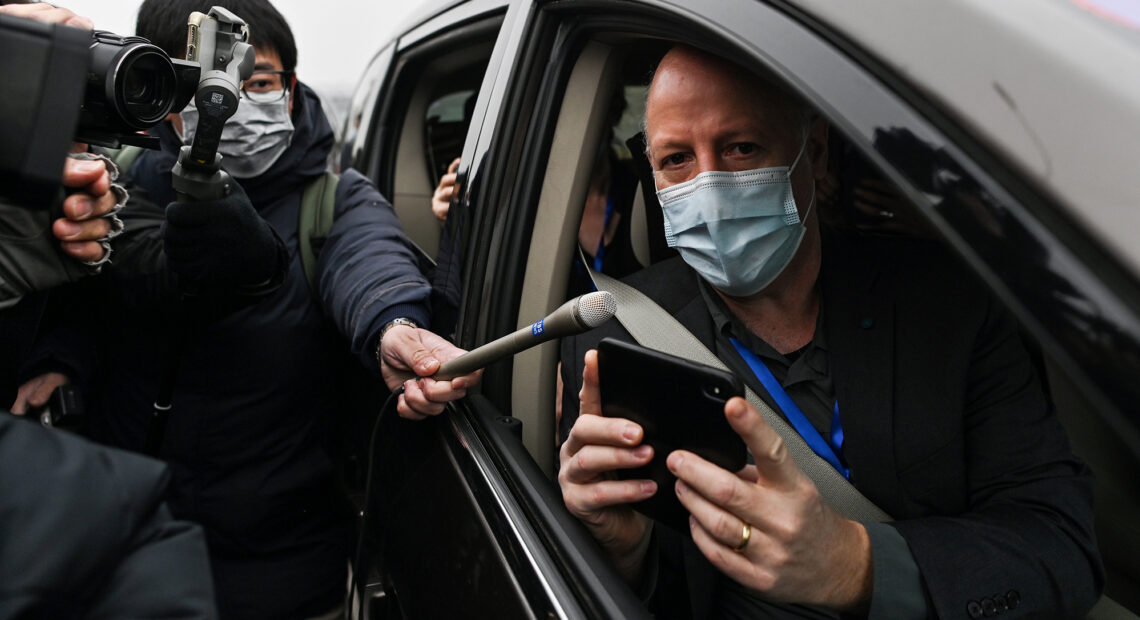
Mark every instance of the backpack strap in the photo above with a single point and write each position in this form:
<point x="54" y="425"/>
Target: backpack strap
<point x="315" y="222"/>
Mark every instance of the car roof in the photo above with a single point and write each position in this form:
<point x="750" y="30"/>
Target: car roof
<point x="1053" y="86"/>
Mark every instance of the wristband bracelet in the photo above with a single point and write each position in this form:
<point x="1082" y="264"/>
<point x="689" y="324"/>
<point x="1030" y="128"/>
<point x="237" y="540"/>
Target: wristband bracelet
<point x="384" y="330"/>
<point x="394" y="322"/>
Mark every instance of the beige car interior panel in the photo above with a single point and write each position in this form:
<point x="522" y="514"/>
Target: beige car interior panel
<point x="413" y="189"/>
<point x="413" y="186"/>
<point x="639" y="228"/>
<point x="581" y="125"/>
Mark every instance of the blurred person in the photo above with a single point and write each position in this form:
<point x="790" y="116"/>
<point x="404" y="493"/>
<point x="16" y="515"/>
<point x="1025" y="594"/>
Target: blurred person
<point x="254" y="390"/>
<point x="84" y="530"/>
<point x="911" y="375"/>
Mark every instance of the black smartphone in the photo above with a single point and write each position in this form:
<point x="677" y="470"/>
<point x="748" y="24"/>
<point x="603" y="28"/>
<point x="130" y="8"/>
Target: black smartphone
<point x="680" y="404"/>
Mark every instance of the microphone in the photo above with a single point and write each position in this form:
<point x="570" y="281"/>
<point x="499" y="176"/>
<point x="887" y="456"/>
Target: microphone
<point x="573" y="317"/>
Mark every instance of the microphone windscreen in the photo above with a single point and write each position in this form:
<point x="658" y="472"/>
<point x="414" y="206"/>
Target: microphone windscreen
<point x="596" y="308"/>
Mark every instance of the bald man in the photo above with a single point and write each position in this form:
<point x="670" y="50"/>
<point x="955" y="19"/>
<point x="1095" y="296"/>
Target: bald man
<point x="912" y="377"/>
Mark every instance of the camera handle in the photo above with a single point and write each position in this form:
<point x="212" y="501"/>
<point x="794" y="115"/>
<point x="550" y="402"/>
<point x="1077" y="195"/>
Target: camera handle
<point x="217" y="41"/>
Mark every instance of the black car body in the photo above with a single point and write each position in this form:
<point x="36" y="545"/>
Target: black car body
<point x="1007" y="143"/>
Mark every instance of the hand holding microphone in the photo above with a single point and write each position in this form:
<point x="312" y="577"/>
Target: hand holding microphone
<point x="433" y="371"/>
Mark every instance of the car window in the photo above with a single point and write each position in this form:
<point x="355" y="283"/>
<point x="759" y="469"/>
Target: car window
<point x="445" y="128"/>
<point x="423" y="111"/>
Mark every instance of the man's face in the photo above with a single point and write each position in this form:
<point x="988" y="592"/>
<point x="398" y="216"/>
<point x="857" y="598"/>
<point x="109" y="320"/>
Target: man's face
<point x="704" y="115"/>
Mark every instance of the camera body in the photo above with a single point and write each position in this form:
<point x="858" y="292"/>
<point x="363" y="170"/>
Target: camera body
<point x="131" y="86"/>
<point x="65" y="85"/>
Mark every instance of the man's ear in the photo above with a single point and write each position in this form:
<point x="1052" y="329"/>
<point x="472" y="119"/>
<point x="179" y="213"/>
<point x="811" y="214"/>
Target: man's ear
<point x="292" y="93"/>
<point x="817" y="146"/>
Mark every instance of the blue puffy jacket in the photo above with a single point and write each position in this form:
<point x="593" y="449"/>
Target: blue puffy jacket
<point x="256" y="387"/>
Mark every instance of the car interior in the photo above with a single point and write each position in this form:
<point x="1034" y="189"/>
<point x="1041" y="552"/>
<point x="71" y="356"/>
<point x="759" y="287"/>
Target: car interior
<point x="435" y="123"/>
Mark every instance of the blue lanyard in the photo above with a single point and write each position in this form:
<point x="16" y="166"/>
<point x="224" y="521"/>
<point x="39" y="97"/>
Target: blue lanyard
<point x="829" y="449"/>
<point x="602" y="242"/>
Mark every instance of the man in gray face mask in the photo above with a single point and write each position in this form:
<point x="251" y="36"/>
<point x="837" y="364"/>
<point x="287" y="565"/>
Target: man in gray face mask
<point x="246" y="441"/>
<point x="256" y="136"/>
<point x="897" y="369"/>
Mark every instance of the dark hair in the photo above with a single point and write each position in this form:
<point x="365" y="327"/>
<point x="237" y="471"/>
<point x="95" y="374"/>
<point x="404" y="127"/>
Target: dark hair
<point x="164" y="23"/>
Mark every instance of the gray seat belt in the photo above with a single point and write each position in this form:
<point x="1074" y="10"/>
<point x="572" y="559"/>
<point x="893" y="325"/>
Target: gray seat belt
<point x="655" y="328"/>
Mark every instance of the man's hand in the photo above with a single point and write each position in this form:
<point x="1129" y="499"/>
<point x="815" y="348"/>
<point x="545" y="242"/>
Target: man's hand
<point x="221" y="243"/>
<point x="83" y="224"/>
<point x="800" y="550"/>
<point x="45" y="12"/>
<point x="596" y="447"/>
<point x="441" y="199"/>
<point x="35" y="393"/>
<point x="409" y="356"/>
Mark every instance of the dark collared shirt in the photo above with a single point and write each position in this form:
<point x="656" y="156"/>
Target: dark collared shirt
<point x="803" y="373"/>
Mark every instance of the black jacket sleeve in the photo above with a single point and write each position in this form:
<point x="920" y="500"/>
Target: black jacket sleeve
<point x="1025" y="539"/>
<point x="85" y="533"/>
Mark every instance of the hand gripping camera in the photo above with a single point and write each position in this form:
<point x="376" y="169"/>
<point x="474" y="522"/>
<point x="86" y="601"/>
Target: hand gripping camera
<point x="64" y="85"/>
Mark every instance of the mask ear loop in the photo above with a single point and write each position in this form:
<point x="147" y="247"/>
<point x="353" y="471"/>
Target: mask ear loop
<point x="792" y="168"/>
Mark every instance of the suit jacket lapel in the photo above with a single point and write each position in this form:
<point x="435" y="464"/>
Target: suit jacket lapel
<point x="858" y="302"/>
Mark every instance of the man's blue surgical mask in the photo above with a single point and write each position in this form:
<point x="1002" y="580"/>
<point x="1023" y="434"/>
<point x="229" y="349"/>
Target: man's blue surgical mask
<point x="738" y="230"/>
<point x="253" y="139"/>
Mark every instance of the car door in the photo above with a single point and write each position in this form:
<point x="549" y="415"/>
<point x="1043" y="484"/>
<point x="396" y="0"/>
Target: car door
<point x="468" y="500"/>
<point x="460" y="522"/>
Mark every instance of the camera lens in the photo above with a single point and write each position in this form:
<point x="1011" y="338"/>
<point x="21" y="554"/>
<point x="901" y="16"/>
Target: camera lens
<point x="137" y="87"/>
<point x="131" y="86"/>
<point x="145" y="86"/>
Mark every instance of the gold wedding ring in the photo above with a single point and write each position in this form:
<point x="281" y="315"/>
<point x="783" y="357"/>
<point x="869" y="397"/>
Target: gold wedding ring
<point x="746" y="536"/>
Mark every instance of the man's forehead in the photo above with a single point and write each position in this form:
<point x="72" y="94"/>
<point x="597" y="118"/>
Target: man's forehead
<point x="684" y="65"/>
<point x="267" y="59"/>
<point x="694" y="87"/>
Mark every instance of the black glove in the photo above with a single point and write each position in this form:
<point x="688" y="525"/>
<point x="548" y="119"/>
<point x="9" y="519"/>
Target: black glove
<point x="222" y="244"/>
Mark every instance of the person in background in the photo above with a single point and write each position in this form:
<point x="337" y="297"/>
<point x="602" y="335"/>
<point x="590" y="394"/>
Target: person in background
<point x="85" y="531"/>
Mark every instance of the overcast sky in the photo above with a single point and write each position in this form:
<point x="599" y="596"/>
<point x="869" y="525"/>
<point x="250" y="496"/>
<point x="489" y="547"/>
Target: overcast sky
<point x="335" y="38"/>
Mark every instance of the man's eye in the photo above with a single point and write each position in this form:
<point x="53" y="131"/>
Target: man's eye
<point x="260" y="85"/>
<point x="744" y="148"/>
<point x="676" y="159"/>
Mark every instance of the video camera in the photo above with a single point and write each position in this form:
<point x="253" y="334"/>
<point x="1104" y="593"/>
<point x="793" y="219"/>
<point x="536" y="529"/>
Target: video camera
<point x="64" y="85"/>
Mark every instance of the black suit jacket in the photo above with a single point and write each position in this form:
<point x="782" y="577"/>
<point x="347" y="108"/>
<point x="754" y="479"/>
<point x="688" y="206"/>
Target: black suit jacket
<point x="947" y="429"/>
